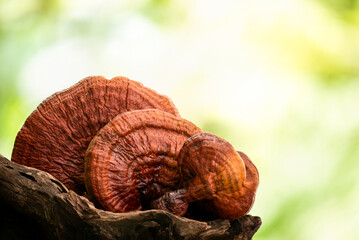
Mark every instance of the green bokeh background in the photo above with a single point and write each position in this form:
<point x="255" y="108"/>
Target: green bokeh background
<point x="278" y="79"/>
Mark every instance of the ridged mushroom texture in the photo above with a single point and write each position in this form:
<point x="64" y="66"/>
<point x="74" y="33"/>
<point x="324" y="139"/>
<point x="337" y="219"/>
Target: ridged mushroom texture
<point x="133" y="160"/>
<point x="214" y="177"/>
<point x="55" y="137"/>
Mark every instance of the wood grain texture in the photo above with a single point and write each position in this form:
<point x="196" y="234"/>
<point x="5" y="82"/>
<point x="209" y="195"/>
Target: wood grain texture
<point x="35" y="205"/>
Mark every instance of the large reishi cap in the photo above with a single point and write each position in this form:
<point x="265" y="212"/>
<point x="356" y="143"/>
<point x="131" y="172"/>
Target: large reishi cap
<point x="213" y="172"/>
<point x="56" y="135"/>
<point x="133" y="159"/>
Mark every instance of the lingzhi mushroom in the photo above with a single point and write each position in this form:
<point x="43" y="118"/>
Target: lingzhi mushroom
<point x="54" y="138"/>
<point x="127" y="148"/>
<point x="221" y="180"/>
<point x="133" y="159"/>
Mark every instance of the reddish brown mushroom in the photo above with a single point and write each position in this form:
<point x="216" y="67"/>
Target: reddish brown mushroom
<point x="250" y="183"/>
<point x="133" y="159"/>
<point x="56" y="135"/>
<point x="214" y="176"/>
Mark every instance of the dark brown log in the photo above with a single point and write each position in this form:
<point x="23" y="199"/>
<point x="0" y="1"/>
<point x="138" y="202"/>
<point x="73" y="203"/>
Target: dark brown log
<point x="35" y="205"/>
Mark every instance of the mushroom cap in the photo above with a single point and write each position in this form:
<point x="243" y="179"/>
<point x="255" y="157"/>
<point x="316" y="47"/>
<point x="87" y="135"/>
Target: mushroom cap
<point x="250" y="184"/>
<point x="133" y="159"/>
<point x="214" y="173"/>
<point x="54" y="138"/>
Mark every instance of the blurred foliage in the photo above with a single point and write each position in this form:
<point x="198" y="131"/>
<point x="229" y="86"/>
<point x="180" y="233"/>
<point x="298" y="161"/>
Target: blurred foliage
<point x="24" y="28"/>
<point x="341" y="69"/>
<point x="165" y="13"/>
<point x="341" y="6"/>
<point x="346" y="10"/>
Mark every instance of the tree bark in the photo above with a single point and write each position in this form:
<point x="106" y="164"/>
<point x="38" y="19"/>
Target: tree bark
<point x="35" y="205"/>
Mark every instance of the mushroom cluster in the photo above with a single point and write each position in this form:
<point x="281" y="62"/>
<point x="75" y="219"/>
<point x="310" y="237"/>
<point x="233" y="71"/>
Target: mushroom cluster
<point x="126" y="148"/>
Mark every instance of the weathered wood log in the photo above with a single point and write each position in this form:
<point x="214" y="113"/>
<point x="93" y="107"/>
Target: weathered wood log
<point x="35" y="205"/>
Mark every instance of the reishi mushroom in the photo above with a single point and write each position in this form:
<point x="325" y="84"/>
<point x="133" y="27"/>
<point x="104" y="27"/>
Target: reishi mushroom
<point x="133" y="159"/>
<point x="250" y="183"/>
<point x="54" y="138"/>
<point x="128" y="147"/>
<point x="215" y="175"/>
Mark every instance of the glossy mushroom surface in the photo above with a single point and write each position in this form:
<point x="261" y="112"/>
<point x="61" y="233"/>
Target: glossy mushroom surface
<point x="133" y="159"/>
<point x="214" y="174"/>
<point x="55" y="137"/>
<point x="250" y="184"/>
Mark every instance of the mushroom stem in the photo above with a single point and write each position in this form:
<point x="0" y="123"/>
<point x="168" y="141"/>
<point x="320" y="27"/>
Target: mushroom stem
<point x="175" y="202"/>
